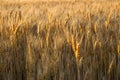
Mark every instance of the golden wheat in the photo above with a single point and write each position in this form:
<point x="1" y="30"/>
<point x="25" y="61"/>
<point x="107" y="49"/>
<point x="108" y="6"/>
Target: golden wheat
<point x="61" y="40"/>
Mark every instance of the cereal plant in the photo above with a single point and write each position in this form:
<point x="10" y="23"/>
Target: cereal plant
<point x="60" y="40"/>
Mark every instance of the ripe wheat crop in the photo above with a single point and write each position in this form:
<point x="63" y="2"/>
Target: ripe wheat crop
<point x="60" y="40"/>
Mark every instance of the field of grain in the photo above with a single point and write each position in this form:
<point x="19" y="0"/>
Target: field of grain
<point x="65" y="40"/>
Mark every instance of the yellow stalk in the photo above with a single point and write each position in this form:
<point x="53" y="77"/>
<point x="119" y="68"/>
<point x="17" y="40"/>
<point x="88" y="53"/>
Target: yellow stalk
<point x="30" y="53"/>
<point x="118" y="48"/>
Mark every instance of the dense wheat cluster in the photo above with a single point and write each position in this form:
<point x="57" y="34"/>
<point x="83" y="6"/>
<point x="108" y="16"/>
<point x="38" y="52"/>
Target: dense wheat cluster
<point x="76" y="40"/>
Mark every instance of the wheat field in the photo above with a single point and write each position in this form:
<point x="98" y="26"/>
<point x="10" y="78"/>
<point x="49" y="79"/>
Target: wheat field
<point x="60" y="40"/>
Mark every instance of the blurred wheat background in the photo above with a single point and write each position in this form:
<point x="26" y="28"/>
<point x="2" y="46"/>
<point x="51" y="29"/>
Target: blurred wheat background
<point x="68" y="40"/>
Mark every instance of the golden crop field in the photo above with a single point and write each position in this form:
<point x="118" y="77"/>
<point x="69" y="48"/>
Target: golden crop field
<point x="59" y="40"/>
